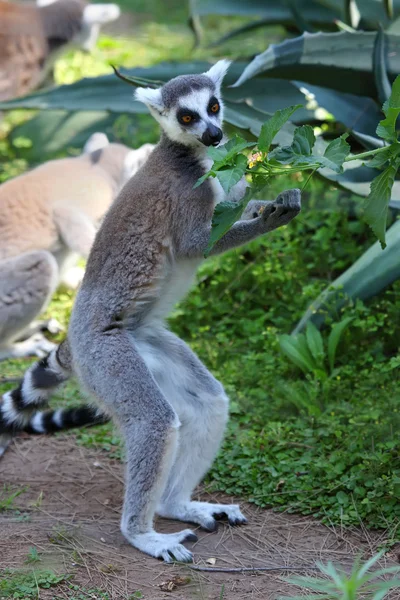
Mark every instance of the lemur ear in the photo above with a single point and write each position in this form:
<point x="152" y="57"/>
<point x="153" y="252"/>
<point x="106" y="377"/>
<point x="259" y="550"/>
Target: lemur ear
<point x="98" y="14"/>
<point x="97" y="141"/>
<point x="218" y="71"/>
<point x="151" y="97"/>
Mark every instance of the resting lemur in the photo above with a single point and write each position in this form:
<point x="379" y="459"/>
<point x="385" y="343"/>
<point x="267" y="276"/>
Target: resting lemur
<point x="170" y="409"/>
<point x="48" y="219"/>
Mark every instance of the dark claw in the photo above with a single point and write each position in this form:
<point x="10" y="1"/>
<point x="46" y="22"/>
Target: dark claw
<point x="191" y="537"/>
<point x="235" y="522"/>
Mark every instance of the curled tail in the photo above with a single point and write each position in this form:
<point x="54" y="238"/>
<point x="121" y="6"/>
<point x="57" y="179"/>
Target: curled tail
<point x="33" y="393"/>
<point x="21" y="409"/>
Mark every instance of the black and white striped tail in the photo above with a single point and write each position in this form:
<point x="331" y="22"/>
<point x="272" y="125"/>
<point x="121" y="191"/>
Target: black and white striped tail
<point x="21" y="409"/>
<point x="39" y="382"/>
<point x="51" y="421"/>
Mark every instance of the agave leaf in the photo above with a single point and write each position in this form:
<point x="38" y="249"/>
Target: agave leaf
<point x="371" y="273"/>
<point x="334" y="338"/>
<point x="368" y="141"/>
<point x="379" y="66"/>
<point x="340" y="61"/>
<point x="55" y="130"/>
<point x="273" y="10"/>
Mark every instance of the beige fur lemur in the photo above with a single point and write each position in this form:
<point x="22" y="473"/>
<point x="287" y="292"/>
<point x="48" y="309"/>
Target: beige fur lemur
<point x="48" y="218"/>
<point x="172" y="412"/>
<point x="31" y="36"/>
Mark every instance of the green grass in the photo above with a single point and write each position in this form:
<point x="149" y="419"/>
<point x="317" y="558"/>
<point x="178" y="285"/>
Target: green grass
<point x="329" y="449"/>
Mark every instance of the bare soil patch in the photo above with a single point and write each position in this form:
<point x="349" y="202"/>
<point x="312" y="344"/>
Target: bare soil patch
<point x="70" y="512"/>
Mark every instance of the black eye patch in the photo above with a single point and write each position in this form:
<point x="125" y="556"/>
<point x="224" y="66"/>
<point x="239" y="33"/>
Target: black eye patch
<point x="213" y="106"/>
<point x="186" y="116"/>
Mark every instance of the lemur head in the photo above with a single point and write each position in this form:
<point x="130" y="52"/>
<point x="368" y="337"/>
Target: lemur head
<point x="118" y="160"/>
<point x="75" y="21"/>
<point x="189" y="107"/>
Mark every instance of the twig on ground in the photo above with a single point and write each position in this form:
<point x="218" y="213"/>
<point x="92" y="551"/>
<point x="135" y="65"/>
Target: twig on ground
<point x="250" y="569"/>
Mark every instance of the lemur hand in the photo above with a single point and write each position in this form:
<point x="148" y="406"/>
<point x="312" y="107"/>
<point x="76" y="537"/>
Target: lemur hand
<point x="277" y="213"/>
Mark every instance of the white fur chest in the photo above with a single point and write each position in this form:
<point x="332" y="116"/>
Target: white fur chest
<point x="217" y="189"/>
<point x="176" y="283"/>
<point x="235" y="194"/>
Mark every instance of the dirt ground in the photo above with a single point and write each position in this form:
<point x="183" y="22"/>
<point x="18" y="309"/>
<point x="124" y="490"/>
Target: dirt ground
<point x="70" y="512"/>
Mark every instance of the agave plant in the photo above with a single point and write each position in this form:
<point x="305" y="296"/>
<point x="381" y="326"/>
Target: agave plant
<point x="300" y="15"/>
<point x="348" y="72"/>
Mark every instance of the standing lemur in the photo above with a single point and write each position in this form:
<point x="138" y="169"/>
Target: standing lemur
<point x="171" y="411"/>
<point x="48" y="219"/>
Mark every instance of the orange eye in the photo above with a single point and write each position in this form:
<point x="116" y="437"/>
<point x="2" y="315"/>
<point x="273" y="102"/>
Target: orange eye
<point x="215" y="108"/>
<point x="186" y="118"/>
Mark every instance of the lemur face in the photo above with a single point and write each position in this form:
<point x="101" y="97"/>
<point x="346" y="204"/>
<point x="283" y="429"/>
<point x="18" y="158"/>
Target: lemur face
<point x="189" y="107"/>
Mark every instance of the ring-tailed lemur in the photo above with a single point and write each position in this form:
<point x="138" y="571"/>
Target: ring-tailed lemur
<point x="171" y="411"/>
<point x="48" y="219"/>
<point x="32" y="36"/>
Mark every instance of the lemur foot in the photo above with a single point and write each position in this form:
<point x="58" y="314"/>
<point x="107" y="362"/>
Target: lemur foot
<point x="204" y="514"/>
<point x="72" y="278"/>
<point x="166" y="546"/>
<point x="5" y="441"/>
<point x="37" y="345"/>
<point x="52" y="326"/>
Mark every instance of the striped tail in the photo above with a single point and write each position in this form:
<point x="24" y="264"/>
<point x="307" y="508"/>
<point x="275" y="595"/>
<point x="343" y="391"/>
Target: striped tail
<point x="51" y="421"/>
<point x="21" y="408"/>
<point x="39" y="382"/>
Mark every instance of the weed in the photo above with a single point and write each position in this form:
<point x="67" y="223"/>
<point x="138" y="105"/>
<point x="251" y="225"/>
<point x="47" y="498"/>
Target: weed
<point x="7" y="497"/>
<point x="33" y="556"/>
<point x="308" y="352"/>
<point x="21" y="584"/>
<point x="342" y="586"/>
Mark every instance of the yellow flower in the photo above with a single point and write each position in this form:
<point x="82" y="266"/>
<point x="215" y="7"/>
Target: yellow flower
<point x="255" y="158"/>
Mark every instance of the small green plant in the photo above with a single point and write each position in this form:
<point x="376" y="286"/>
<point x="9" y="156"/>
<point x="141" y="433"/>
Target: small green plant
<point x="342" y="586"/>
<point x="7" y="497"/>
<point x="20" y="584"/>
<point x="230" y="165"/>
<point x="308" y="351"/>
<point x="33" y="555"/>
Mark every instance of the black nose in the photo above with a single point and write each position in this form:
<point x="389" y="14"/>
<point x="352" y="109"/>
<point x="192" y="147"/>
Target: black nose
<point x="212" y="135"/>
